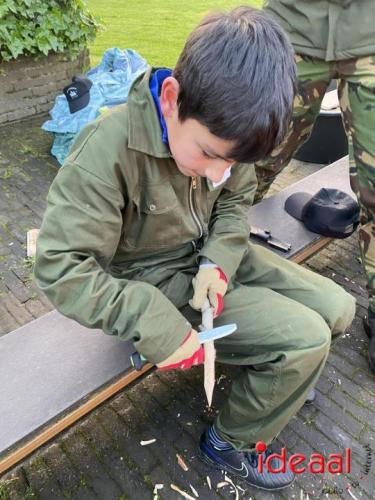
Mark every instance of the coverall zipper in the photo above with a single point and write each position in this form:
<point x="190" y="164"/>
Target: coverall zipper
<point x="193" y="186"/>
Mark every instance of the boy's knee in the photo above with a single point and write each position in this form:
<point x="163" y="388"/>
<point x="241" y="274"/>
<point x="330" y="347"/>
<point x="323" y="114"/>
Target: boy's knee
<point x="343" y="313"/>
<point x="311" y="333"/>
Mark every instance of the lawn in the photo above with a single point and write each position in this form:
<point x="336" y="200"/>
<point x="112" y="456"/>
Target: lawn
<point x="156" y="29"/>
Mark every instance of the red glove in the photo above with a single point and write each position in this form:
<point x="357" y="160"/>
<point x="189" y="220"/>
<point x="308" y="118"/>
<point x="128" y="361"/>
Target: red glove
<point x="190" y="353"/>
<point x="209" y="282"/>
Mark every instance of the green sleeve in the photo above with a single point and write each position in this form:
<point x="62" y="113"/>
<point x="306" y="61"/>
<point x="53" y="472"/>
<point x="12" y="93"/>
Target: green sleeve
<point x="79" y="236"/>
<point x="228" y="237"/>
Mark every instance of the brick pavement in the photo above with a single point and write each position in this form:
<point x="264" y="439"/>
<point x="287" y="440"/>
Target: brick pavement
<point x="101" y="456"/>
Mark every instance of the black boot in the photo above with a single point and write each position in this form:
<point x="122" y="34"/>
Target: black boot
<point x="369" y="326"/>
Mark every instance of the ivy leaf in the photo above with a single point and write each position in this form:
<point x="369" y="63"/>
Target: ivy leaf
<point x="37" y="27"/>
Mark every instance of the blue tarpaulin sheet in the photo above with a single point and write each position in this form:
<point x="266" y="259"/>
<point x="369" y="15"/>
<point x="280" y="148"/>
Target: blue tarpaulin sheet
<point x="111" y="81"/>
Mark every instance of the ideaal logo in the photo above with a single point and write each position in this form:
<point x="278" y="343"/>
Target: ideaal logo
<point x="316" y="464"/>
<point x="299" y="463"/>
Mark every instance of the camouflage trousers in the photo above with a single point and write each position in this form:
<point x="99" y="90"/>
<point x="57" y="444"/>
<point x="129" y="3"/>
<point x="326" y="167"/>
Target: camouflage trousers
<point x="356" y="91"/>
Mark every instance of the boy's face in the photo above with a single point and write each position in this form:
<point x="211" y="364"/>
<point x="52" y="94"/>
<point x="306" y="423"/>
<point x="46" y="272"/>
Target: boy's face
<point x="195" y="150"/>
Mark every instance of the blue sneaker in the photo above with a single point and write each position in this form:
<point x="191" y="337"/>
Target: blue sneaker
<point x="244" y="465"/>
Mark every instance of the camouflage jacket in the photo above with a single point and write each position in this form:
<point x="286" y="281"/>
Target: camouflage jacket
<point x="327" y="29"/>
<point x="119" y="212"/>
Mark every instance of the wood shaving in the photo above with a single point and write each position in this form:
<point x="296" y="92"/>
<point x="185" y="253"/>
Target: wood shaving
<point x="181" y="463"/>
<point x="234" y="486"/>
<point x="209" y="482"/>
<point x="150" y="441"/>
<point x="222" y="485"/>
<point x="351" y="494"/>
<point x="31" y="237"/>
<point x="158" y="487"/>
<point x="182" y="493"/>
<point x="194" y="491"/>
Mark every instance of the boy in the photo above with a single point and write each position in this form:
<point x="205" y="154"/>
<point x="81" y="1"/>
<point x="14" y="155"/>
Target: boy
<point x="160" y="184"/>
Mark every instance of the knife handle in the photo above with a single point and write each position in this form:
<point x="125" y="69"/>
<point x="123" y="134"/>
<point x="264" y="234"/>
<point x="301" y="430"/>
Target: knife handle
<point x="138" y="361"/>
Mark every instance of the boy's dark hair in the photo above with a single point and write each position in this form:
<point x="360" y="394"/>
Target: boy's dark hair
<point x="237" y="77"/>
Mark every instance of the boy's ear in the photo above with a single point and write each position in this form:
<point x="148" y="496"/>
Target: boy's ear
<point x="168" y="96"/>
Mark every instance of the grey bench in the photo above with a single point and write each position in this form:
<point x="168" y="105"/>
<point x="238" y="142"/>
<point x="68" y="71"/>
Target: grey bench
<point x="53" y="371"/>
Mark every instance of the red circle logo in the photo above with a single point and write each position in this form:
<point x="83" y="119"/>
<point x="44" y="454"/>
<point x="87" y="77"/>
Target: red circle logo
<point x="260" y="447"/>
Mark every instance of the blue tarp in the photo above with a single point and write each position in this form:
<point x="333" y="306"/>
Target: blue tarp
<point x="111" y="81"/>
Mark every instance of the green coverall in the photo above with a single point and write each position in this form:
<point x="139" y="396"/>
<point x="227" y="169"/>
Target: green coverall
<point x="120" y="243"/>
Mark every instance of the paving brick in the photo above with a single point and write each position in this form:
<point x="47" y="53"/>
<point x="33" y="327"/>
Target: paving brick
<point x="365" y="380"/>
<point x="83" y="493"/>
<point x="332" y="410"/>
<point x="355" y="338"/>
<point x="368" y="437"/>
<point x="84" y="460"/>
<point x="340" y="437"/>
<point x="288" y="438"/>
<point x="143" y="400"/>
<point x="123" y="474"/>
<point x="18" y="289"/>
<point x="23" y="272"/>
<point x="164" y="449"/>
<point x="361" y="413"/>
<point x="61" y="468"/>
<point x="15" y="485"/>
<point x="36" y="308"/>
<point x="41" y="481"/>
<point x="126" y="441"/>
<point x="17" y="310"/>
<point x="7" y="322"/>
<point x="324" y="385"/>
<point x="357" y="393"/>
<point x="5" y="250"/>
<point x="316" y="440"/>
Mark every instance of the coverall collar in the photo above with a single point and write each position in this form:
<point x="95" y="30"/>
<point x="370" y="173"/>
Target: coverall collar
<point x="143" y="119"/>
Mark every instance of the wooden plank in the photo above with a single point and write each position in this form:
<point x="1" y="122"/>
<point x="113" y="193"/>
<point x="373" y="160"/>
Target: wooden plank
<point x="270" y="213"/>
<point x="45" y="435"/>
<point x="48" y="368"/>
<point x="310" y="250"/>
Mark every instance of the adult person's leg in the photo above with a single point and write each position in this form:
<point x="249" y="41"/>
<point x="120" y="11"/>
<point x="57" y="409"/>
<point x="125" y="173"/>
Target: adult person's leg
<point x="356" y="91"/>
<point x="314" y="76"/>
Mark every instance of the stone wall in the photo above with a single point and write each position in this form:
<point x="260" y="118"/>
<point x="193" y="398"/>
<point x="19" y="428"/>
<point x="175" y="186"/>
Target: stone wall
<point x="29" y="85"/>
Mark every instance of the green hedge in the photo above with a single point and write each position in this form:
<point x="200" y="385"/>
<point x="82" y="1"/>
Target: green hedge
<point x="35" y="27"/>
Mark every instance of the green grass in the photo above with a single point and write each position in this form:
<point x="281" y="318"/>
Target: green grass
<point x="157" y="29"/>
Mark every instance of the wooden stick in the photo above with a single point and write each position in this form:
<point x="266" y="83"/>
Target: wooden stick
<point x="209" y="353"/>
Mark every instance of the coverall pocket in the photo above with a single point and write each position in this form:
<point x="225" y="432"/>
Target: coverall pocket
<point x="157" y="222"/>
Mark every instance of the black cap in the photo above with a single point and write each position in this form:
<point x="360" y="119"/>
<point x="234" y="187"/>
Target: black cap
<point x="78" y="93"/>
<point x="329" y="212"/>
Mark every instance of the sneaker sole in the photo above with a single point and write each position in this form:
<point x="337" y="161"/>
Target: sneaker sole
<point x="212" y="464"/>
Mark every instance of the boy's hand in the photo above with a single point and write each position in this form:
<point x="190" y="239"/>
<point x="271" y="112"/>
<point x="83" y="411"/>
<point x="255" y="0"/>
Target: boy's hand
<point x="209" y="282"/>
<point x="190" y="353"/>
